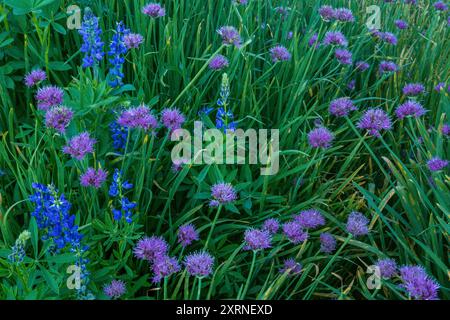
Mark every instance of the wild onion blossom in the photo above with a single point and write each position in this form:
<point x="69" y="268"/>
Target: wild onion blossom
<point x="256" y="239"/>
<point x="133" y="40"/>
<point x="320" y="138"/>
<point x="401" y="24"/>
<point x="389" y="37"/>
<point x="58" y="118"/>
<point x="375" y="120"/>
<point x="327" y="12"/>
<point x="418" y="284"/>
<point x="271" y="225"/>
<point x="117" y="50"/>
<point x="151" y="248"/>
<point x="291" y="267"/>
<point x="172" y="119"/>
<point x="388" y="267"/>
<point x="18" y="250"/>
<point x="57" y="225"/>
<point x="117" y="190"/>
<point x="341" y="107"/>
<point x="327" y="242"/>
<point x="410" y="108"/>
<point x="230" y="36"/>
<point x="437" y="164"/>
<point x="294" y="232"/>
<point x="219" y="62"/>
<point x="138" y="117"/>
<point x="199" y="264"/>
<point x="154" y="10"/>
<point x="187" y="234"/>
<point x="310" y="219"/>
<point x="445" y="129"/>
<point x="93" y="178"/>
<point x="440" y="6"/>
<point x="344" y="15"/>
<point x="222" y="193"/>
<point x="313" y="41"/>
<point x="49" y="96"/>
<point x="335" y="38"/>
<point x="115" y="289"/>
<point x="387" y="66"/>
<point x="357" y="224"/>
<point x="343" y="56"/>
<point x="92" y="46"/>
<point x="79" y="146"/>
<point x="279" y="53"/>
<point x="413" y="89"/>
<point x="34" y="77"/>
<point x="163" y="267"/>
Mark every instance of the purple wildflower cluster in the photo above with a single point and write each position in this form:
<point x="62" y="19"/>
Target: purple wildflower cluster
<point x="256" y="239"/>
<point x="357" y="224"/>
<point x="328" y="13"/>
<point x="93" y="178"/>
<point x="58" y="118"/>
<point x="341" y="107"/>
<point x="222" y="193"/>
<point x="374" y="121"/>
<point x="320" y="138"/>
<point x="115" y="289"/>
<point x="280" y="53"/>
<point x="35" y="77"/>
<point x="48" y="97"/>
<point x="418" y="284"/>
<point x="410" y="108"/>
<point x="154" y="10"/>
<point x="79" y="146"/>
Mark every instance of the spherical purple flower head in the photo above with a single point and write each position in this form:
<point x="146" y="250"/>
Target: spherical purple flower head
<point x="187" y="234"/>
<point x="283" y="12"/>
<point x="401" y="24"/>
<point x="320" y="138"/>
<point x="413" y="89"/>
<point x="222" y="193"/>
<point x="335" y="38"/>
<point x="151" y="248"/>
<point x="163" y="267"/>
<point x="418" y="284"/>
<point x="343" y="56"/>
<point x="313" y="41"/>
<point x="388" y="267"/>
<point x="375" y="120"/>
<point x="439" y="86"/>
<point x="230" y="36"/>
<point x="271" y="225"/>
<point x="341" y="107"/>
<point x="115" y="289"/>
<point x="440" y="5"/>
<point x="445" y="129"/>
<point x="256" y="239"/>
<point x="133" y="40"/>
<point x="291" y="267"/>
<point x="357" y="224"/>
<point x="344" y="15"/>
<point x="294" y="232"/>
<point x="389" y="37"/>
<point x="410" y="108"/>
<point x="219" y="62"/>
<point x="199" y="264"/>
<point x="48" y="97"/>
<point x="279" y="53"/>
<point x="327" y="12"/>
<point x="436" y="164"/>
<point x="375" y="33"/>
<point x="58" y="118"/>
<point x="34" y="77"/>
<point x="172" y="119"/>
<point x="92" y="178"/>
<point x="154" y="10"/>
<point x="138" y="117"/>
<point x="327" y="243"/>
<point x="79" y="146"/>
<point x="310" y="219"/>
<point x="361" y="66"/>
<point x="388" y="66"/>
